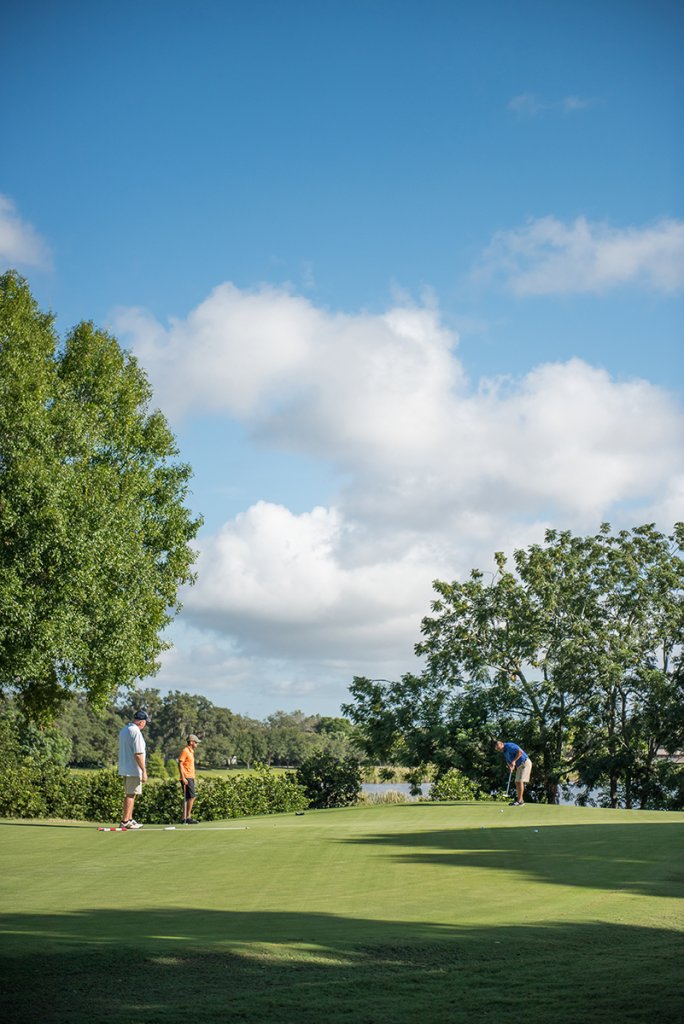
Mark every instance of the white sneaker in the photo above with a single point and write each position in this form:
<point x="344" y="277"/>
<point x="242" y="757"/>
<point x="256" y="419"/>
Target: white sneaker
<point x="132" y="824"/>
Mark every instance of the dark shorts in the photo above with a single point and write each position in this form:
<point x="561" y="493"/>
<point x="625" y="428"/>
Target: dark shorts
<point x="189" y="789"/>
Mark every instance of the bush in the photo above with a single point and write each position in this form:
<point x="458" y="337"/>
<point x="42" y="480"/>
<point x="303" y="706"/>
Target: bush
<point x="156" y="768"/>
<point x="36" y="790"/>
<point x="329" y="782"/>
<point x="454" y="785"/>
<point x="33" y="789"/>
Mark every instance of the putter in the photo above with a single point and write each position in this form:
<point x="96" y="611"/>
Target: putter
<point x="509" y="782"/>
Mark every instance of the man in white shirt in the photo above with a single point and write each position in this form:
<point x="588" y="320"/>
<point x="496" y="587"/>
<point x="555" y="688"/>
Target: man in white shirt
<point x="132" y="765"/>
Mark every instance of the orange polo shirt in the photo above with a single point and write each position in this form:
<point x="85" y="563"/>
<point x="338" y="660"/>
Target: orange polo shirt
<point x="187" y="762"/>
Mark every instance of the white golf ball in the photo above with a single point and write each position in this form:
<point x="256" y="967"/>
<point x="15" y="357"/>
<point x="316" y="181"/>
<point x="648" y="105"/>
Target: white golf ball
<point x="502" y="812"/>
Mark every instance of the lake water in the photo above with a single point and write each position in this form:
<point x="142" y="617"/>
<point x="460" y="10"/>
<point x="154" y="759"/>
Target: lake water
<point x="396" y="787"/>
<point x="405" y="788"/>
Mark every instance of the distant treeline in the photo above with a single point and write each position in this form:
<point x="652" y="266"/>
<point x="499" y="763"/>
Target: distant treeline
<point x="84" y="738"/>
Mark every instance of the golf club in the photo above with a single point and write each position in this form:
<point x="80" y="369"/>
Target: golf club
<point x="509" y="782"/>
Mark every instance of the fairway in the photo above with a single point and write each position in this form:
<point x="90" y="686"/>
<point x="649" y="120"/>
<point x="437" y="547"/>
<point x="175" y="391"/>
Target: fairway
<point x="417" y="912"/>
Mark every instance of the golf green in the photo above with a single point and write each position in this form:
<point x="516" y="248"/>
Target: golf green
<point x="434" y="912"/>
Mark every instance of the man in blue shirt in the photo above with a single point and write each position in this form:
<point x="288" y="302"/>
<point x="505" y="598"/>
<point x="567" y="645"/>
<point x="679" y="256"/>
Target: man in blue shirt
<point x="518" y="762"/>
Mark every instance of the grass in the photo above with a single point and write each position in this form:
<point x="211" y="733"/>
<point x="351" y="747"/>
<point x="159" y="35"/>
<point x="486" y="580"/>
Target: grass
<point x="419" y="912"/>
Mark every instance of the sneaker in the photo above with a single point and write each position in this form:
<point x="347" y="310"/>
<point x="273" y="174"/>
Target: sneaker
<point x="517" y="803"/>
<point x="184" y="821"/>
<point x="132" y="824"/>
<point x="192" y="821"/>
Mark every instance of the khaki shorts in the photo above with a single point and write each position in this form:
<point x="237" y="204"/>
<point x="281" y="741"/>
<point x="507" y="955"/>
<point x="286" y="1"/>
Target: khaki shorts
<point x="133" y="784"/>
<point x="523" y="771"/>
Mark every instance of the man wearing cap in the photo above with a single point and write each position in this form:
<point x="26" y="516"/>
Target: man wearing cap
<point x="186" y="766"/>
<point x="132" y="765"/>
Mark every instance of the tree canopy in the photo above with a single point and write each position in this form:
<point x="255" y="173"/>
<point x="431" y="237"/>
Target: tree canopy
<point x="94" y="531"/>
<point x="576" y="653"/>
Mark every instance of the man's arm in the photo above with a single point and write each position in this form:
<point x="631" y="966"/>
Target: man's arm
<point x="140" y="758"/>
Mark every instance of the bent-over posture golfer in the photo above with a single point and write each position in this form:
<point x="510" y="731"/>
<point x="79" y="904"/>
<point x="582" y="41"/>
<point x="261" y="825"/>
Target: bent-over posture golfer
<point x="132" y="765"/>
<point x="186" y="766"/>
<point x="518" y="762"/>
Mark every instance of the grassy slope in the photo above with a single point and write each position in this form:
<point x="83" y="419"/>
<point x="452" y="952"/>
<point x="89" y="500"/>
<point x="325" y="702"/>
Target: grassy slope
<point x="386" y="914"/>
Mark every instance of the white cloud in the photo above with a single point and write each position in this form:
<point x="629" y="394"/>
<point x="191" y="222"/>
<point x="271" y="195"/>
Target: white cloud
<point x="438" y="475"/>
<point x="290" y="586"/>
<point x="20" y="243"/>
<point x="277" y="362"/>
<point x="528" y="104"/>
<point x="547" y="256"/>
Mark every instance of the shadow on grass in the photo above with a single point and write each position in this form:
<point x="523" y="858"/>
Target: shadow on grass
<point x="647" y="859"/>
<point x="171" y="965"/>
<point x="39" y="823"/>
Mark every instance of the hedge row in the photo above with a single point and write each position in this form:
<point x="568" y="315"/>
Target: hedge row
<point x="34" y="790"/>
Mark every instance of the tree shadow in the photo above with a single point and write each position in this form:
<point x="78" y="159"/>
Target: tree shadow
<point x="643" y="858"/>
<point x="299" y="968"/>
<point x="39" y="823"/>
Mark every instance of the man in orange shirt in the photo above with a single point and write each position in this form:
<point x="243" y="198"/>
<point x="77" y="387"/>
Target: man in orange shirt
<point x="186" y="766"/>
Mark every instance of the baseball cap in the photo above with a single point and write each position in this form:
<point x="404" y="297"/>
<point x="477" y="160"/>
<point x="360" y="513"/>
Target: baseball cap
<point x="141" y="716"/>
<point x="192" y="737"/>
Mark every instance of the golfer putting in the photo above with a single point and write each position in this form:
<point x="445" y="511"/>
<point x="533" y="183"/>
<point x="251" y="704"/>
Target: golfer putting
<point x="519" y="762"/>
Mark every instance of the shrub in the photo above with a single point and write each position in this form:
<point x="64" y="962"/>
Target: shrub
<point x="155" y="766"/>
<point x="454" y="785"/>
<point x="38" y="790"/>
<point x="329" y="782"/>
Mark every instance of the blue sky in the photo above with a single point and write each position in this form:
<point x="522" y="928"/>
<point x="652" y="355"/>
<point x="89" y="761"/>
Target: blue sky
<point x="407" y="279"/>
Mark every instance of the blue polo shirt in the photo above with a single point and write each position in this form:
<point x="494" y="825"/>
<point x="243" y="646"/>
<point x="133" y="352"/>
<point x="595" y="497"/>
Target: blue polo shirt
<point x="511" y="751"/>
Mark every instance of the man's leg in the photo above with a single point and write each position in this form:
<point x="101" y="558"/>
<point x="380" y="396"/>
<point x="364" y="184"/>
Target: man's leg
<point x="133" y="787"/>
<point x="522" y="776"/>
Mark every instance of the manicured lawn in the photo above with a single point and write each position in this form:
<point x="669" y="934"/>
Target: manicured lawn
<point x="375" y="915"/>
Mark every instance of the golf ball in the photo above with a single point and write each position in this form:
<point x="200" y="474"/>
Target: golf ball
<point x="502" y="812"/>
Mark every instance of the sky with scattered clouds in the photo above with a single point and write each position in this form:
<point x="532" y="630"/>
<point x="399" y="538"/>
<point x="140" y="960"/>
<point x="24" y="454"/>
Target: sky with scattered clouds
<point x="407" y="279"/>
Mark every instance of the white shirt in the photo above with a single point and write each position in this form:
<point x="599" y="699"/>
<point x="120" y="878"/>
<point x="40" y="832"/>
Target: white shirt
<point x="131" y="742"/>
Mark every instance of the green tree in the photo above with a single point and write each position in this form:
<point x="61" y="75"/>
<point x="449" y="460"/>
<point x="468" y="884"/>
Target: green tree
<point x="328" y="782"/>
<point x="94" y="533"/>
<point x="93" y="735"/>
<point x="575" y="653"/>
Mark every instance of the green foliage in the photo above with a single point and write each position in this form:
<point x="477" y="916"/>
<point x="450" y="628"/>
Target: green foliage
<point x="576" y="654"/>
<point x="92" y="734"/>
<point x="453" y="785"/>
<point x="95" y="534"/>
<point x="329" y="782"/>
<point x="226" y="738"/>
<point x="40" y="790"/>
<point x="156" y="768"/>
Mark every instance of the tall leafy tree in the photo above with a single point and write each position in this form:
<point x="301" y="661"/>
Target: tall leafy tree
<point x="94" y="530"/>
<point x="575" y="652"/>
